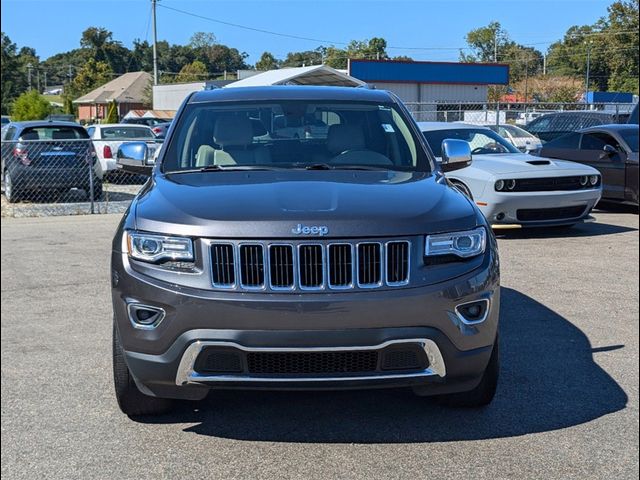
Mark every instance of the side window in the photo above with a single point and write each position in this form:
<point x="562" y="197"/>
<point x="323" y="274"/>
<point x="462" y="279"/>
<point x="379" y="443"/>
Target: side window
<point x="570" y="141"/>
<point x="597" y="141"/>
<point x="540" y="124"/>
<point x="91" y="131"/>
<point x="9" y="133"/>
<point x="565" y="123"/>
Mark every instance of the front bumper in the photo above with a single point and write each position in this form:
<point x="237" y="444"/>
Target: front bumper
<point x="162" y="359"/>
<point x="501" y="208"/>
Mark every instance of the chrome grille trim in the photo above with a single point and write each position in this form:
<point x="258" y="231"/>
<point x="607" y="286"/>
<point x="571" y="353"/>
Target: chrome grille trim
<point x="335" y="274"/>
<point x="392" y="257"/>
<point x="308" y="278"/>
<point x="249" y="272"/>
<point x="367" y="258"/>
<point x="222" y="268"/>
<point x="340" y="266"/>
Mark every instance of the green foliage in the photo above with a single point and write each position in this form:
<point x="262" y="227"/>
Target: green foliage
<point x="492" y="43"/>
<point x="30" y="106"/>
<point x="69" y="107"/>
<point x="112" y="113"/>
<point x="193" y="72"/>
<point x="90" y="76"/>
<point x="267" y="62"/>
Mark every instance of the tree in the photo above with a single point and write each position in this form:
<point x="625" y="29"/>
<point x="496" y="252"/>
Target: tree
<point x="30" y="106"/>
<point x="112" y="112"/>
<point x="193" y="72"/>
<point x="267" y="62"/>
<point x="305" y="58"/>
<point x="12" y="85"/>
<point x="492" y="43"/>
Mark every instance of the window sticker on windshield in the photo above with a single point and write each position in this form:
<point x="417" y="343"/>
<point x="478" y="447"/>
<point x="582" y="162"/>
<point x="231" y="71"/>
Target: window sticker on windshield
<point x="388" y="128"/>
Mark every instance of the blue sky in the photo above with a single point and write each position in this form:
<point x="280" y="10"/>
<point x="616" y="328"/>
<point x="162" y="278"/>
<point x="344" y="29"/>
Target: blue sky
<point x="53" y="26"/>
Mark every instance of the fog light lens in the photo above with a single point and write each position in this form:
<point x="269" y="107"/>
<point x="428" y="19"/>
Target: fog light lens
<point x="473" y="312"/>
<point x="144" y="316"/>
<point x="593" y="179"/>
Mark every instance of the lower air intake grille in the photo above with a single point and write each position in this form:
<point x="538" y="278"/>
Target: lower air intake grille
<point x="280" y="363"/>
<point x="541" y="214"/>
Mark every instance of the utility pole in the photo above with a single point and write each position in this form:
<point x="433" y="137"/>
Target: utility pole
<point x="586" y="90"/>
<point x="155" y="41"/>
<point x="38" y="80"/>
<point x="544" y="64"/>
<point x="495" y="46"/>
<point x="526" y="79"/>
<point x="29" y="67"/>
<point x="45" y="80"/>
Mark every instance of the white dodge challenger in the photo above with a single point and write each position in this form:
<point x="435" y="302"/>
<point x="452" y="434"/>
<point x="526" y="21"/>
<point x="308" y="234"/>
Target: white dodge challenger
<point x="512" y="188"/>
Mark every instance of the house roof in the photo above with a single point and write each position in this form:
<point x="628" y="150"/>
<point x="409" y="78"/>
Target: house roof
<point x="127" y="88"/>
<point x="313" y="75"/>
<point x="137" y="113"/>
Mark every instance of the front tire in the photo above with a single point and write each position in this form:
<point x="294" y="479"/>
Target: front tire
<point x="483" y="394"/>
<point x="130" y="399"/>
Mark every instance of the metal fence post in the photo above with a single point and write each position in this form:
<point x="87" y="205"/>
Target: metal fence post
<point x="91" y="193"/>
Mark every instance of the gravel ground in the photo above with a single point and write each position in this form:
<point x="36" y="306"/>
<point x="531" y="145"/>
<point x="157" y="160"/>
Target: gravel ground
<point x="567" y="405"/>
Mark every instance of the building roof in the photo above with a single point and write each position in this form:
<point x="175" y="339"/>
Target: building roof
<point x="291" y="92"/>
<point x="127" y="88"/>
<point x="313" y="75"/>
<point x="452" y="73"/>
<point x="137" y="113"/>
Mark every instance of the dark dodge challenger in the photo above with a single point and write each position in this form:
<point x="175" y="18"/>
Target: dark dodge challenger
<point x="262" y="254"/>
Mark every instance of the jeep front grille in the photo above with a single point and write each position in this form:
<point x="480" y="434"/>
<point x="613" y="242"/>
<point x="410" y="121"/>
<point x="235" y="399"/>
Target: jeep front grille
<point x="340" y="265"/>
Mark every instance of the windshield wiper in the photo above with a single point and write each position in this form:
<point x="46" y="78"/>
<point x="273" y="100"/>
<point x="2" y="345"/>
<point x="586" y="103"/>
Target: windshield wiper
<point x="224" y="168"/>
<point x="326" y="166"/>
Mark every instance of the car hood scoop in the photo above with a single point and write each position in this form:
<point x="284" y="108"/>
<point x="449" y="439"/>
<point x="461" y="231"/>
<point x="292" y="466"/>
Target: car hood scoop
<point x="270" y="204"/>
<point x="539" y="162"/>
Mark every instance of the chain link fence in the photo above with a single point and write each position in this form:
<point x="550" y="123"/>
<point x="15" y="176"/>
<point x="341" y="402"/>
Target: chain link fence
<point x="66" y="177"/>
<point x="510" y="113"/>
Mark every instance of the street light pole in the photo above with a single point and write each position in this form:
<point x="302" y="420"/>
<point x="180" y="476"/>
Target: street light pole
<point x="155" y="41"/>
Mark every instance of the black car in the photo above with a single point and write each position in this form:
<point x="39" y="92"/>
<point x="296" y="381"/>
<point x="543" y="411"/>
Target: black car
<point x="554" y="125"/>
<point x="148" y="121"/>
<point x="612" y="149"/>
<point x="43" y="156"/>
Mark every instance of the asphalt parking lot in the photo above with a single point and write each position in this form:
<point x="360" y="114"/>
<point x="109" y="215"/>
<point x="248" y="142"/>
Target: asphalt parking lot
<point x="567" y="405"/>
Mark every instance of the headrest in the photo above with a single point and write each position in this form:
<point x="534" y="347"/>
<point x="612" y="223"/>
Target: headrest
<point x="344" y="137"/>
<point x="63" y="135"/>
<point x="231" y="131"/>
<point x="32" y="135"/>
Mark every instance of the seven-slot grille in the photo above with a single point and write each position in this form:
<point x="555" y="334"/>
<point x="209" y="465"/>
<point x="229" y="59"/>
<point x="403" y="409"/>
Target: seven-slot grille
<point x="310" y="266"/>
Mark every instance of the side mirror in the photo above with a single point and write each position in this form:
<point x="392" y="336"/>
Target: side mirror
<point x="608" y="151"/>
<point x="456" y="154"/>
<point x="135" y="157"/>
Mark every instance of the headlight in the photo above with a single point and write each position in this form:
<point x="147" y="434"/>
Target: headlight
<point x="593" y="180"/>
<point x="153" y="248"/>
<point x="463" y="244"/>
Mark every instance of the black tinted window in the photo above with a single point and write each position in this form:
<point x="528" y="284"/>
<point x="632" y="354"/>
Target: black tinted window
<point x="597" y="141"/>
<point x="631" y="137"/>
<point x="570" y="141"/>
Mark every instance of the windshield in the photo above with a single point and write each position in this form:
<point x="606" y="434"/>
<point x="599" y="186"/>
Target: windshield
<point x="126" y="133"/>
<point x="54" y="133"/>
<point x="482" y="140"/>
<point x="631" y="137"/>
<point x="294" y="134"/>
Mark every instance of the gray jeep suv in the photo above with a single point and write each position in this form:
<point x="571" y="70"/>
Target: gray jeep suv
<point x="338" y="258"/>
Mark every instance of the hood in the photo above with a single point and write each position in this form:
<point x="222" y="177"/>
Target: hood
<point x="271" y="204"/>
<point x="521" y="163"/>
